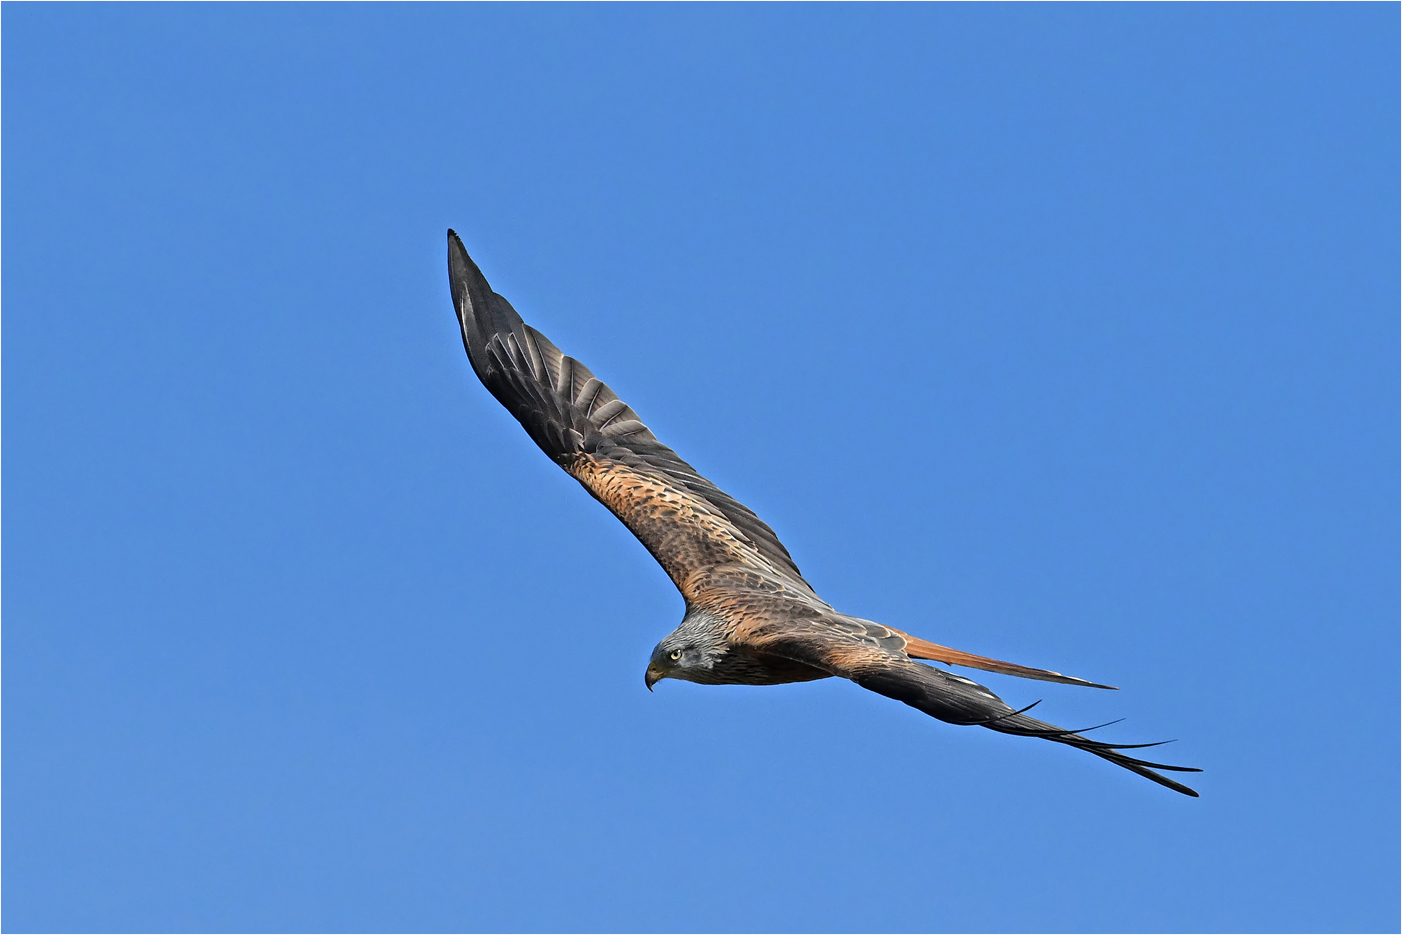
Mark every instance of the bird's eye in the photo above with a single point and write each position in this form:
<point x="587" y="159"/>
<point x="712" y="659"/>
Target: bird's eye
<point x="676" y="654"/>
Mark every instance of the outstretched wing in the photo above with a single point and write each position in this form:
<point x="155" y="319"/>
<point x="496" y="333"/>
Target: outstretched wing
<point x="685" y="521"/>
<point x="876" y="658"/>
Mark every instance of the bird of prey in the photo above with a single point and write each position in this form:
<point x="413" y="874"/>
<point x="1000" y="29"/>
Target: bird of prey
<point x="751" y="618"/>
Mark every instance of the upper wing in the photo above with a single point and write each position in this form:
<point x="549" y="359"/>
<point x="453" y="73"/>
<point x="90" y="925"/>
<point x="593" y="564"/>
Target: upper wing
<point x="685" y="521"/>
<point x="876" y="658"/>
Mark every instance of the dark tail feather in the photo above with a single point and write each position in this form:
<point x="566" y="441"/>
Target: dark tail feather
<point x="957" y="700"/>
<point x="1024" y="726"/>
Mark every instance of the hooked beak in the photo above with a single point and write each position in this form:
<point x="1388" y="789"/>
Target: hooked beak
<point x="652" y="676"/>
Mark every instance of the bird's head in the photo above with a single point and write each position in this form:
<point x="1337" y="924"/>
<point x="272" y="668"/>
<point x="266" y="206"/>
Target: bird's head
<point x="689" y="652"/>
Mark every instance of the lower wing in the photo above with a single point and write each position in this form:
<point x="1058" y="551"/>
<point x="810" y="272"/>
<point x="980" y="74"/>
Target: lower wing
<point x="835" y="647"/>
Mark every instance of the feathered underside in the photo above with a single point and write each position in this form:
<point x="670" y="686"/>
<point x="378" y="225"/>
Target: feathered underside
<point x="721" y="556"/>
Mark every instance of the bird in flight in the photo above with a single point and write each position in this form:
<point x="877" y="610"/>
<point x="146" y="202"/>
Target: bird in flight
<point x="751" y="618"/>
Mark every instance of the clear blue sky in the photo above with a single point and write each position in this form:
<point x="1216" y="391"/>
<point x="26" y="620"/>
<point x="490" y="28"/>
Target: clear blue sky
<point x="1063" y="334"/>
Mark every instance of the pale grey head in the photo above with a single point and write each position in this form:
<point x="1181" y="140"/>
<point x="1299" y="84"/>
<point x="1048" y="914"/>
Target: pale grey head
<point x="694" y="652"/>
<point x="700" y="650"/>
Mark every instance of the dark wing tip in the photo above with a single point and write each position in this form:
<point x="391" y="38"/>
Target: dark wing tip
<point x="481" y="312"/>
<point x="461" y="269"/>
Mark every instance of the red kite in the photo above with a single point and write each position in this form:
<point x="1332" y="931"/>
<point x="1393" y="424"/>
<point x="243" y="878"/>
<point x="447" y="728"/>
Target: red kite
<point x="750" y="618"/>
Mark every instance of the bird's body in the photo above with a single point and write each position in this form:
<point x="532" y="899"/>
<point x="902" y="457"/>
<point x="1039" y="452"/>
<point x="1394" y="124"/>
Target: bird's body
<point x="751" y="618"/>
